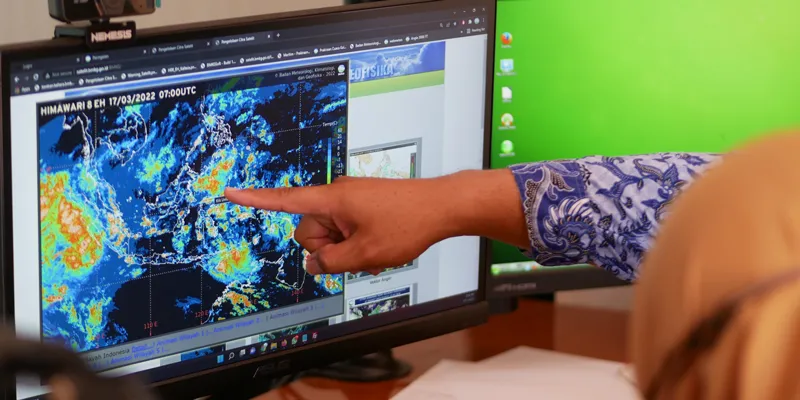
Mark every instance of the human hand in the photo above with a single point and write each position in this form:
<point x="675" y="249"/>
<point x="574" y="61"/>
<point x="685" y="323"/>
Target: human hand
<point x="370" y="224"/>
<point x="357" y="224"/>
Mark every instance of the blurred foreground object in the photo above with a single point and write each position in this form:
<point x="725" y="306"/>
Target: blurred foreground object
<point x="69" y="377"/>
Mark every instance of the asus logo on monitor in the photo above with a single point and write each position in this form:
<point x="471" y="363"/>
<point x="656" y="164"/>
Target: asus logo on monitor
<point x="516" y="287"/>
<point x="111" y="36"/>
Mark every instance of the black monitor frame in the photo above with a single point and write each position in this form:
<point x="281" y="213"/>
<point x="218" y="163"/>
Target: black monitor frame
<point x="384" y="331"/>
<point x="549" y="280"/>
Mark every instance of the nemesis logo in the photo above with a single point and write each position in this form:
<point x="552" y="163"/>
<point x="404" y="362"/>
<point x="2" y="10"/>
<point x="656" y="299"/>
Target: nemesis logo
<point x="111" y="36"/>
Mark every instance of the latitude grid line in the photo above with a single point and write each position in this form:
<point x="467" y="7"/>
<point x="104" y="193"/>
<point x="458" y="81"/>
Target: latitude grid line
<point x="94" y="140"/>
<point x="150" y="288"/>
<point x="299" y="264"/>
<point x="299" y="129"/>
<point x="200" y="270"/>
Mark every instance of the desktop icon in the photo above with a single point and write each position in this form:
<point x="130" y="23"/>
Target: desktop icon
<point x="505" y="93"/>
<point x="264" y="347"/>
<point x="507" y="147"/>
<point x="284" y="343"/>
<point x="305" y="338"/>
<point x="507" y="120"/>
<point x="294" y="340"/>
<point x="314" y="336"/>
<point x="506" y="38"/>
<point x="507" y="65"/>
<point x="273" y="346"/>
<point x="220" y="358"/>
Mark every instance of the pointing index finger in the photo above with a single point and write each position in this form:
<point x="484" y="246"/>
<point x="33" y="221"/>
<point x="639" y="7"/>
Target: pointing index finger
<point x="299" y="200"/>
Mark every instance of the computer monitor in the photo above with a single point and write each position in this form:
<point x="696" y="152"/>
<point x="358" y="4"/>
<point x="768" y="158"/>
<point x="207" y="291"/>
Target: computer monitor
<point x="624" y="77"/>
<point x="118" y="243"/>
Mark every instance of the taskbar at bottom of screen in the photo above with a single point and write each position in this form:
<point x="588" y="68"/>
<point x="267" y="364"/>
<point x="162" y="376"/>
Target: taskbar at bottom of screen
<point x="221" y="356"/>
<point x="299" y="339"/>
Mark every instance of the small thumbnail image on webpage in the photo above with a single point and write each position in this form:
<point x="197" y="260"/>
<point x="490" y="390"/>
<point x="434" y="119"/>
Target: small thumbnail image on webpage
<point x="380" y="303"/>
<point x="359" y="276"/>
<point x="396" y="160"/>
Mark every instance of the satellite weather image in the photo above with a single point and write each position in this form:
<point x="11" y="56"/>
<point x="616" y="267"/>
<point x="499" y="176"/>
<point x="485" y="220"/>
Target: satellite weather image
<point x="398" y="162"/>
<point x="380" y="303"/>
<point x="137" y="238"/>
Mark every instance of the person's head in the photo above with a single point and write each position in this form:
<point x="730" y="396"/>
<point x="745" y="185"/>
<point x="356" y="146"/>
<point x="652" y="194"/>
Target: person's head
<point x="728" y="259"/>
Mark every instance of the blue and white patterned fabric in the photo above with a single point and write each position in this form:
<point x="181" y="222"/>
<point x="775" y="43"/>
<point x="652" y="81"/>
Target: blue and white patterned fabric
<point x="602" y="211"/>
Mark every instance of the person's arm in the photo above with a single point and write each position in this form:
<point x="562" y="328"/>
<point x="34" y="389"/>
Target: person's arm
<point x="602" y="211"/>
<point x="595" y="210"/>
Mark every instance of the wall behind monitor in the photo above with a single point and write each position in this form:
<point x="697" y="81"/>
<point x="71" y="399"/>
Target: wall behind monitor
<point x="25" y="20"/>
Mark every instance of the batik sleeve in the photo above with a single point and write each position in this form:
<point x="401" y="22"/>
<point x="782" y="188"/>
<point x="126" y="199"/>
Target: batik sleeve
<point x="602" y="211"/>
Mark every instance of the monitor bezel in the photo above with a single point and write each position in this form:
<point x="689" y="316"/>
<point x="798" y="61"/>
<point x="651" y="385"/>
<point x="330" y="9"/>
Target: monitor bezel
<point x="547" y="280"/>
<point x="392" y="334"/>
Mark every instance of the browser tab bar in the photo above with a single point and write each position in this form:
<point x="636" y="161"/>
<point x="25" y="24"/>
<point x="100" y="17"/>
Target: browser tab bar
<point x="367" y="44"/>
<point x="328" y="49"/>
<point x="56" y="85"/>
<point x="180" y="47"/>
<point x="243" y="50"/>
<point x="229" y="62"/>
<point x="99" y="80"/>
<point x="292" y="54"/>
<point x="144" y="73"/>
<point x="242" y="40"/>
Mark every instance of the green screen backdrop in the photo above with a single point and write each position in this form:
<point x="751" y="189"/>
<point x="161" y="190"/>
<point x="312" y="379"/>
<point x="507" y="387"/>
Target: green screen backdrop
<point x="622" y="77"/>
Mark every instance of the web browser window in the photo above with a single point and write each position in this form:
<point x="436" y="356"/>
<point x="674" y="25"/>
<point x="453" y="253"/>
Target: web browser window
<point x="125" y="248"/>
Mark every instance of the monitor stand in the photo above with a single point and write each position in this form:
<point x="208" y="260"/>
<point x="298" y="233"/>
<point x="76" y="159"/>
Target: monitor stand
<point x="375" y="367"/>
<point x="503" y="306"/>
<point x="251" y="390"/>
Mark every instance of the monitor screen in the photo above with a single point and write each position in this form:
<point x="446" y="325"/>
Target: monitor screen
<point x="124" y="247"/>
<point x="624" y="77"/>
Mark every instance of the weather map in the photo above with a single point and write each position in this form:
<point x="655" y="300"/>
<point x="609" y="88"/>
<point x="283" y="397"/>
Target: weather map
<point x="399" y="162"/>
<point x="137" y="238"/>
<point x="380" y="303"/>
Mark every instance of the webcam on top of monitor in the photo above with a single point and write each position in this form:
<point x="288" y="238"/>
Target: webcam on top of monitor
<point x="71" y="11"/>
<point x="90" y="19"/>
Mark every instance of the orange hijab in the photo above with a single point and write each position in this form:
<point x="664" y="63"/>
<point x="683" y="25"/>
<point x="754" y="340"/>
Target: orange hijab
<point x="736" y="226"/>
